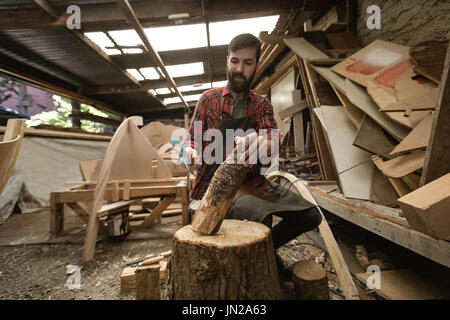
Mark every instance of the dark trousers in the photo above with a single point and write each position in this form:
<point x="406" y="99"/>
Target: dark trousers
<point x="292" y="225"/>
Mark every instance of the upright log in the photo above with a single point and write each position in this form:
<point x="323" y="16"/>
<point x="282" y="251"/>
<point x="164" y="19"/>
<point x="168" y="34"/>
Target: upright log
<point x="219" y="195"/>
<point x="310" y="281"/>
<point x="236" y="263"/>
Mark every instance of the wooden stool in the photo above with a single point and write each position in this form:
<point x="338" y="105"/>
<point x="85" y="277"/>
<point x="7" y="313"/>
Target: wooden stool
<point x="238" y="262"/>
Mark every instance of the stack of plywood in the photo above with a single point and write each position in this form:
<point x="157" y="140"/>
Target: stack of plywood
<point x="374" y="140"/>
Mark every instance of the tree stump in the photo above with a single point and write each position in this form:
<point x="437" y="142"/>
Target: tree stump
<point x="236" y="263"/>
<point x="310" y="281"/>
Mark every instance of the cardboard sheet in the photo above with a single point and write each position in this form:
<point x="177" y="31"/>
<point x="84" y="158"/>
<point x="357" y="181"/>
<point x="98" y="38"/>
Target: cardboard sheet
<point x="418" y="138"/>
<point x="402" y="165"/>
<point x="371" y="61"/>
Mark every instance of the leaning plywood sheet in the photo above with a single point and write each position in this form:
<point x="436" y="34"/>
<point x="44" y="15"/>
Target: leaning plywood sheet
<point x="355" y="114"/>
<point x="371" y="137"/>
<point x="134" y="158"/>
<point x="356" y="182"/>
<point x="304" y="49"/>
<point x="418" y="138"/>
<point x="429" y="58"/>
<point x="405" y="284"/>
<point x="360" y="98"/>
<point x="332" y="77"/>
<point x="371" y="61"/>
<point x="402" y="165"/>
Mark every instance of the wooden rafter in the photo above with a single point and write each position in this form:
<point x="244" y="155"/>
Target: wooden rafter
<point x="150" y="12"/>
<point x="129" y="13"/>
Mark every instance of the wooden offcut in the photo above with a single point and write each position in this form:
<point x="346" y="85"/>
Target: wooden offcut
<point x="310" y="281"/>
<point x="237" y="263"/>
<point x="148" y="283"/>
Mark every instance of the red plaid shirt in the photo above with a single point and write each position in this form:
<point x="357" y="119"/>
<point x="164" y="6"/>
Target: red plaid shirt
<point x="208" y="112"/>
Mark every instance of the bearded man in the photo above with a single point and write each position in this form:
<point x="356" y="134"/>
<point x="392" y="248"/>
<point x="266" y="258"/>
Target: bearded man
<point x="235" y="106"/>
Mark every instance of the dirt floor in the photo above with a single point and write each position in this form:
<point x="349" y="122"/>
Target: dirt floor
<point x="39" y="271"/>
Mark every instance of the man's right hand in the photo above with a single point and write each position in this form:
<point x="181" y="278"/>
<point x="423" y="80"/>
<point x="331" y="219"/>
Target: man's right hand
<point x="192" y="158"/>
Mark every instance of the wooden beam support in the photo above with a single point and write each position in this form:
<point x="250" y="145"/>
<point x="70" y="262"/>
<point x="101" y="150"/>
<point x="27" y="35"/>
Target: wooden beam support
<point x="94" y="118"/>
<point x="264" y="86"/>
<point x="152" y="12"/>
<point x="129" y="13"/>
<point x="437" y="156"/>
<point x="44" y="5"/>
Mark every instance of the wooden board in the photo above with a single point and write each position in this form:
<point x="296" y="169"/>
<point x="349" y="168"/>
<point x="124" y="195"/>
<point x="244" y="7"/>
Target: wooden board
<point x="429" y="57"/>
<point x="361" y="99"/>
<point x="135" y="158"/>
<point x="354" y="113"/>
<point x="87" y="168"/>
<point x="371" y="61"/>
<point x="402" y="165"/>
<point x="406" y="284"/>
<point x="418" y="138"/>
<point x="342" y="40"/>
<point x="438" y="150"/>
<point x="371" y="137"/>
<point x="344" y="276"/>
<point x="356" y="182"/>
<point x="304" y="49"/>
<point x="10" y="148"/>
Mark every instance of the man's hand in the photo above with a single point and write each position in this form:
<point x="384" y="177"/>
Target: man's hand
<point x="248" y="147"/>
<point x="192" y="158"/>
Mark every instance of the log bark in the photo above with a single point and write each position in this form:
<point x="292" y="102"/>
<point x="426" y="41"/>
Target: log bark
<point x="310" y="281"/>
<point x="219" y="195"/>
<point x="236" y="263"/>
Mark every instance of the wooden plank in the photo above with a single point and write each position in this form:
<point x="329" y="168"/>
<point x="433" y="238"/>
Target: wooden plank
<point x="156" y="213"/>
<point x="148" y="283"/>
<point x="135" y="192"/>
<point x="10" y="147"/>
<point x="429" y="57"/>
<point x="61" y="134"/>
<point x="87" y="167"/>
<point x="292" y="110"/>
<point x="56" y="215"/>
<point x="342" y="40"/>
<point x="114" y="207"/>
<point x="264" y="86"/>
<point x="436" y="250"/>
<point x="355" y="176"/>
<point x="354" y="114"/>
<point x="344" y="276"/>
<point x="361" y="99"/>
<point x="299" y="137"/>
<point x="437" y="155"/>
<point x="418" y="138"/>
<point x="407" y="284"/>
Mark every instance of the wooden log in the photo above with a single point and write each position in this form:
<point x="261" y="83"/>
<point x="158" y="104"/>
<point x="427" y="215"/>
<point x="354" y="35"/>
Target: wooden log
<point x="148" y="283"/>
<point x="237" y="263"/>
<point x="310" y="281"/>
<point x="219" y="195"/>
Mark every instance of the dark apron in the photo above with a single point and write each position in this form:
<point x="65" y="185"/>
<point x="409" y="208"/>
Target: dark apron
<point x="257" y="197"/>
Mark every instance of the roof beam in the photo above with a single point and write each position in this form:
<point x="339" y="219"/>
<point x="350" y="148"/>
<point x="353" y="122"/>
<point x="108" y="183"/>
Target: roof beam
<point x="126" y="8"/>
<point x="96" y="17"/>
<point x="148" y="84"/>
<point x="44" y="5"/>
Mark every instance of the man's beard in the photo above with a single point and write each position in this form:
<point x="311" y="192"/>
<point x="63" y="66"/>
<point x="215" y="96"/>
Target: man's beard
<point x="239" y="87"/>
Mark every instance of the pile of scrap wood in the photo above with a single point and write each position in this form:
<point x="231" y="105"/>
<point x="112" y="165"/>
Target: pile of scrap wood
<point x="372" y="115"/>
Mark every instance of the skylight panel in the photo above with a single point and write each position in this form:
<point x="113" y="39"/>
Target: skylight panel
<point x="219" y="84"/>
<point x="111" y="52"/>
<point x="100" y="39"/>
<point x="193" y="87"/>
<point x="126" y="37"/>
<point x="177" y="37"/>
<point x="149" y="73"/>
<point x="172" y="100"/>
<point x="188" y="69"/>
<point x="222" y="32"/>
<point x="163" y="91"/>
<point x="193" y="97"/>
<point x="133" y="50"/>
<point x="135" y="74"/>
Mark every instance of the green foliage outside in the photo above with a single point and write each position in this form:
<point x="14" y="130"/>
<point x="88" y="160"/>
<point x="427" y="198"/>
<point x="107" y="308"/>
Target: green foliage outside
<point x="61" y="117"/>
